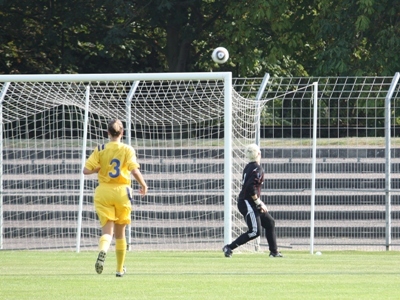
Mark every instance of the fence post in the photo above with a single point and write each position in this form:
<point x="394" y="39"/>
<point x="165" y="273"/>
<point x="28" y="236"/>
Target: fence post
<point x="314" y="163"/>
<point x="388" y="231"/>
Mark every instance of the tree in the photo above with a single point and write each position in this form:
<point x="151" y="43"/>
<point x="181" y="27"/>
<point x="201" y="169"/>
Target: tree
<point x="356" y="37"/>
<point x="139" y="36"/>
<point x="281" y="37"/>
<point x="68" y="37"/>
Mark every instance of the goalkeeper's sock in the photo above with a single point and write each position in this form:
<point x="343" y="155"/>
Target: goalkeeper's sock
<point x="105" y="242"/>
<point x="120" y="252"/>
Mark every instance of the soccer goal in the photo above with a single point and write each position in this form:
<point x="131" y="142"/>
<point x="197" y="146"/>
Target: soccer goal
<point x="180" y="125"/>
<point x="189" y="130"/>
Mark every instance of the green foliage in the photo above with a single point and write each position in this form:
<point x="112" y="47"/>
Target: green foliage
<point x="354" y="37"/>
<point x="283" y="38"/>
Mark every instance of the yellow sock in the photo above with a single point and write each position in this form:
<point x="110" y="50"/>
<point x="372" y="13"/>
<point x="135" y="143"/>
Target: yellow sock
<point x="120" y="252"/>
<point x="105" y="242"/>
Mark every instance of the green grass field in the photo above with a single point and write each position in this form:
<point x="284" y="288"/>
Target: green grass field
<point x="201" y="275"/>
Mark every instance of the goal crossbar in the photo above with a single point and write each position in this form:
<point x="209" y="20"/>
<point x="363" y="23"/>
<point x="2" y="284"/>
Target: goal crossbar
<point x="115" y="77"/>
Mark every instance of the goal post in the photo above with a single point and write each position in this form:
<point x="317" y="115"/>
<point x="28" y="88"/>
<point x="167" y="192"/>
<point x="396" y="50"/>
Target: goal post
<point x="180" y="125"/>
<point x="2" y="95"/>
<point x="82" y="177"/>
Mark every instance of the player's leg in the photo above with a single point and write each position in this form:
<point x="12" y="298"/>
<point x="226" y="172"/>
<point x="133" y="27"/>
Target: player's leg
<point x="106" y="215"/>
<point x="106" y="236"/>
<point x="123" y="213"/>
<point x="120" y="248"/>
<point x="268" y="222"/>
<point x="104" y="245"/>
<point x="252" y="219"/>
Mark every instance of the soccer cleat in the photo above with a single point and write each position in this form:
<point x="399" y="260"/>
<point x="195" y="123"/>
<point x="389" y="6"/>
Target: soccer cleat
<point x="121" y="274"/>
<point x="275" y="254"/>
<point x="100" y="262"/>
<point x="227" y="251"/>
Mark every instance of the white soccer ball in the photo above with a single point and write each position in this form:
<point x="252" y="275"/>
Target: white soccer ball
<point x="220" y="55"/>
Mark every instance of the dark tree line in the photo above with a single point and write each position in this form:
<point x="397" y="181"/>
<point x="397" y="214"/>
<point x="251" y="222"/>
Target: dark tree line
<point x="281" y="37"/>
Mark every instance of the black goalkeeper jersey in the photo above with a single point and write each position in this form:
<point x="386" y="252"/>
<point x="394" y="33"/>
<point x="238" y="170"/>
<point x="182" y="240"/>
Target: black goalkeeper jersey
<point x="252" y="179"/>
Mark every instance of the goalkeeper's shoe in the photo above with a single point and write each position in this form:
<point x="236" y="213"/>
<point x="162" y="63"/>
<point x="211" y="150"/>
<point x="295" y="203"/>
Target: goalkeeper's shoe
<point x="227" y="251"/>
<point x="121" y="274"/>
<point x="100" y="262"/>
<point x="275" y="254"/>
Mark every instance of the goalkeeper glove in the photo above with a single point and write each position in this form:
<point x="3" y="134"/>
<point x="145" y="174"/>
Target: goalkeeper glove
<point x="261" y="206"/>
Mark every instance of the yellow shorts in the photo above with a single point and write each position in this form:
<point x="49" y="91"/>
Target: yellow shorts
<point x="112" y="202"/>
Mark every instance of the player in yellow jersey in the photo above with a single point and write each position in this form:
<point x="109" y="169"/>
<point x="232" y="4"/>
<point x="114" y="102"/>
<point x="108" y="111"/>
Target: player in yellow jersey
<point x="114" y="162"/>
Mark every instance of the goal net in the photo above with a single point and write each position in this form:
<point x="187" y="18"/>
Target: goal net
<point x="283" y="106"/>
<point x="179" y="125"/>
<point x="189" y="131"/>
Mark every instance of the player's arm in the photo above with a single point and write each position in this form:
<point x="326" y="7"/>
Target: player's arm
<point x="253" y="191"/>
<point x="92" y="164"/>
<point x="139" y="178"/>
<point x="86" y="171"/>
<point x="134" y="166"/>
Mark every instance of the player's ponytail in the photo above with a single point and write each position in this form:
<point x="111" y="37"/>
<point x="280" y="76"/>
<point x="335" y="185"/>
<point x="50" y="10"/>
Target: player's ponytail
<point x="115" y="128"/>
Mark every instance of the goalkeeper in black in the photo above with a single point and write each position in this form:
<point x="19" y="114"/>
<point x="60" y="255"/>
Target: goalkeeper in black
<point x="254" y="211"/>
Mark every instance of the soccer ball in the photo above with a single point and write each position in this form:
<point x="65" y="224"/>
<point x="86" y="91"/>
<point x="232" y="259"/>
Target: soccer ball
<point x="220" y="55"/>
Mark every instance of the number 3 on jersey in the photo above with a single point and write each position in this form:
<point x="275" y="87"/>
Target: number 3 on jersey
<point x="117" y="171"/>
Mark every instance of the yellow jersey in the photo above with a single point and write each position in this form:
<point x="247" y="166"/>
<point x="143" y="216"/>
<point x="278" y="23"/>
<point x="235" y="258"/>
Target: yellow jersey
<point x="116" y="161"/>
